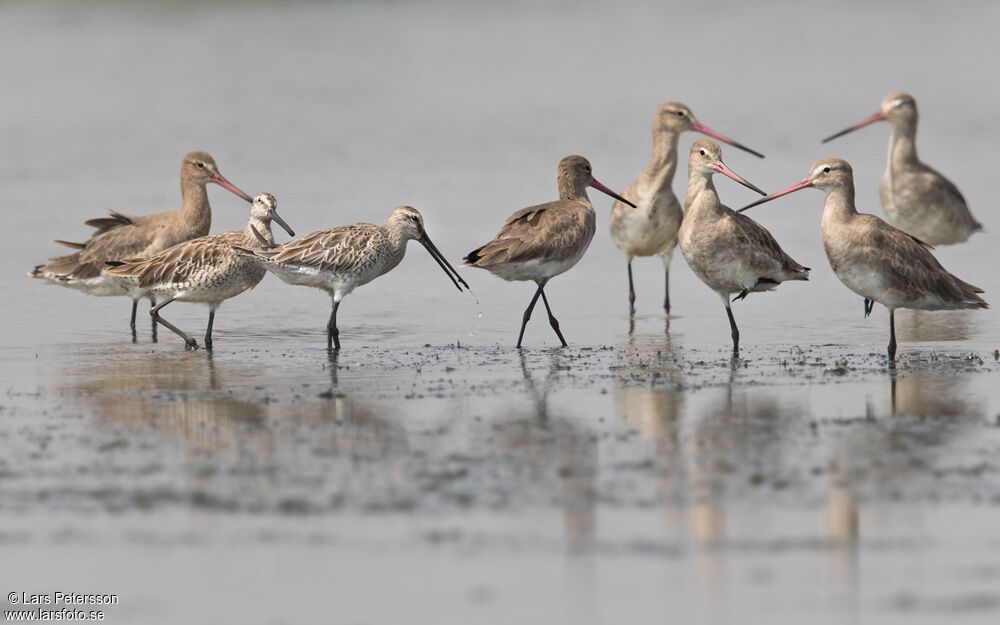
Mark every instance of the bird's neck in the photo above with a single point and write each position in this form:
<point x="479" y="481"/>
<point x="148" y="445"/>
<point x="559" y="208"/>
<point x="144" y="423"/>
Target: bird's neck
<point x="663" y="164"/>
<point x="902" y="146"/>
<point x="839" y="208"/>
<point x="394" y="233"/>
<point x="701" y="193"/>
<point x="575" y="195"/>
<point x="195" y="209"/>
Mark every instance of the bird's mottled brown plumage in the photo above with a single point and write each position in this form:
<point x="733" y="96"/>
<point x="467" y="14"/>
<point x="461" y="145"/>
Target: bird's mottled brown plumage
<point x="204" y="269"/>
<point x="345" y="249"/>
<point x="338" y="260"/>
<point x="125" y="236"/>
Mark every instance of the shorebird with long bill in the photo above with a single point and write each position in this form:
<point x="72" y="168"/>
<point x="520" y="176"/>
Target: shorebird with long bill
<point x="123" y="236"/>
<point x="540" y="242"/>
<point x="203" y="270"/>
<point x="877" y="261"/>
<point x="916" y="198"/>
<point x="648" y="225"/>
<point x="729" y="252"/>
<point x="338" y="260"/>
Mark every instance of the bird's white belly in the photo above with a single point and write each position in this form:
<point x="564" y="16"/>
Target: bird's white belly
<point x="638" y="233"/>
<point x="102" y="286"/>
<point x="338" y="284"/>
<point x="534" y="269"/>
<point x="868" y="284"/>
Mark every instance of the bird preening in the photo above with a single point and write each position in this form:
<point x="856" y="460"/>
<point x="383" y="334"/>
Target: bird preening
<point x="171" y="256"/>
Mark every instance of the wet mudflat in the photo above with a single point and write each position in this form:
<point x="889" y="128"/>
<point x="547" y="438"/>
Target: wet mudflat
<point x="637" y="481"/>
<point x="429" y="472"/>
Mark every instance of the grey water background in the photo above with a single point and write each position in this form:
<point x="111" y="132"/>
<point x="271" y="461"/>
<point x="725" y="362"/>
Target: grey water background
<point x="639" y="477"/>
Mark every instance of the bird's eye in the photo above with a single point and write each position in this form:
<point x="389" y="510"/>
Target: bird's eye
<point x="826" y="170"/>
<point x="702" y="152"/>
<point x="200" y="165"/>
<point x="680" y="113"/>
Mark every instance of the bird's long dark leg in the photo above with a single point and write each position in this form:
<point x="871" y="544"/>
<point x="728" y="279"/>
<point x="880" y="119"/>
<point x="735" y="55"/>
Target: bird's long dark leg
<point x="666" y="290"/>
<point x="736" y="331"/>
<point x="527" y="314"/>
<point x="155" y="312"/>
<point x="208" y="331"/>
<point x="332" y="333"/>
<point x="552" y="320"/>
<point x="631" y="290"/>
<point x="152" y="303"/>
<point x="869" y="304"/>
<point x="131" y="324"/>
<point x="666" y="286"/>
<point x="892" y="335"/>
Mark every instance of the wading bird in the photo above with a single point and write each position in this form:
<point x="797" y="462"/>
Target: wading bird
<point x="338" y="260"/>
<point x="203" y="270"/>
<point x="876" y="260"/>
<point x="648" y="226"/>
<point x="540" y="242"/>
<point x="125" y="236"/>
<point x="917" y="200"/>
<point x="729" y="252"/>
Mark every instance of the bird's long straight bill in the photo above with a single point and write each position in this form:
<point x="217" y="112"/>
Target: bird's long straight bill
<point x="705" y="130"/>
<point x="722" y="169"/>
<point x="281" y="222"/>
<point x="220" y="180"/>
<point x="600" y="187"/>
<point x="877" y="117"/>
<point x="802" y="184"/>
<point x="439" y="257"/>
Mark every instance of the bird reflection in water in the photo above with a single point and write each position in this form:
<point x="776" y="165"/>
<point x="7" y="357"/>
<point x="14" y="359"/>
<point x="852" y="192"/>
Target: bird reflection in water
<point x="245" y="442"/>
<point x="552" y="438"/>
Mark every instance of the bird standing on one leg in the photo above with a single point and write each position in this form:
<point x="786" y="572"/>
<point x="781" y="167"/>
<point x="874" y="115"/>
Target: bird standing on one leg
<point x="877" y="261"/>
<point x="729" y="252"/>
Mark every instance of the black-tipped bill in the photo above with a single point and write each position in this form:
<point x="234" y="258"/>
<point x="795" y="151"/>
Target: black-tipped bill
<point x="805" y="183"/>
<point x="600" y="187"/>
<point x="220" y="180"/>
<point x="722" y="169"/>
<point x="281" y="222"/>
<point x="705" y="130"/>
<point x="439" y="257"/>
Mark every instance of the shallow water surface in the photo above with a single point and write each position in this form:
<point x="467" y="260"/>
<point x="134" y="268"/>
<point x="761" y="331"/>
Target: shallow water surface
<point x="430" y="472"/>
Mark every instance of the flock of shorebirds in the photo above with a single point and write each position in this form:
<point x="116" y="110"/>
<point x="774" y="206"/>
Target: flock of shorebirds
<point x="171" y="256"/>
